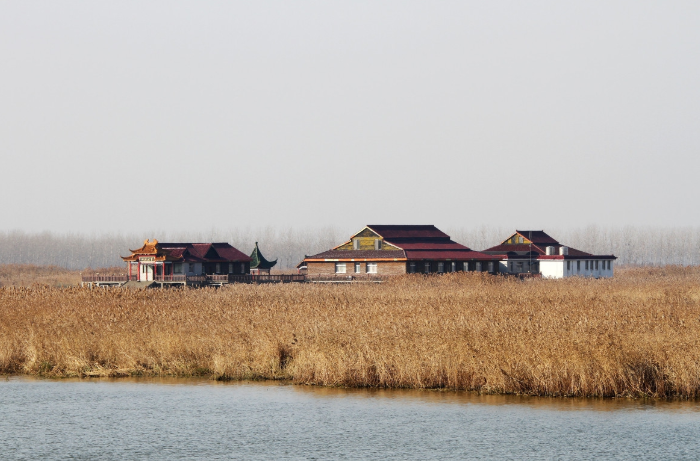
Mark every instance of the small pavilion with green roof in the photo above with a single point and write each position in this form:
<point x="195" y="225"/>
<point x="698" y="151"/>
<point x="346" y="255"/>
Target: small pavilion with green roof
<point x="259" y="264"/>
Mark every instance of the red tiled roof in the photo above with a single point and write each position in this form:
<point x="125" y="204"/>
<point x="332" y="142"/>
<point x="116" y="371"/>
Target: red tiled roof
<point x="359" y="254"/>
<point x="392" y="232"/>
<point x="229" y="253"/>
<point x="519" y="251"/>
<point x="428" y="245"/>
<point x="207" y="252"/>
<point x="538" y="237"/>
<point x="447" y="254"/>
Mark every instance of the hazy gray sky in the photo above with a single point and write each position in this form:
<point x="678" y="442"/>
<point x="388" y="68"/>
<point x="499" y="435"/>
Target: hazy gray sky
<point x="126" y="116"/>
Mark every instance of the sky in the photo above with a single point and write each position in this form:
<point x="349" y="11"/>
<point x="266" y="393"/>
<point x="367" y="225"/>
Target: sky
<point x="125" y="116"/>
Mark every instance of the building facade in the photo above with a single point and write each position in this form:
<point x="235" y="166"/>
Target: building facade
<point x="385" y="250"/>
<point x="156" y="261"/>
<point x="535" y="252"/>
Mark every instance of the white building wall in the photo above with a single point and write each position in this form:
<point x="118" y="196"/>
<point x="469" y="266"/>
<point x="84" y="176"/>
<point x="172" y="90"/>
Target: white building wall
<point x="552" y="269"/>
<point x="577" y="268"/>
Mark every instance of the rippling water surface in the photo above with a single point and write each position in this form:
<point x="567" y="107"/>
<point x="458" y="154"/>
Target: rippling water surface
<point x="200" y="419"/>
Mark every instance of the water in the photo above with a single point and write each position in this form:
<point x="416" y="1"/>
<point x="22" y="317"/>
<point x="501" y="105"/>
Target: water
<point x="200" y="419"/>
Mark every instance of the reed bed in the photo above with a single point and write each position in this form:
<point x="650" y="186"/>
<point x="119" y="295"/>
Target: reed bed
<point x="635" y="335"/>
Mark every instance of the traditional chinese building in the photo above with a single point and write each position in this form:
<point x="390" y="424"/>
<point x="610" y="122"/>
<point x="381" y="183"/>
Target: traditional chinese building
<point x="398" y="249"/>
<point x="535" y="252"/>
<point x="258" y="264"/>
<point x="156" y="261"/>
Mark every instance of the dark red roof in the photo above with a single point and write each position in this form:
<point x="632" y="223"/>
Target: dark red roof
<point x="539" y="249"/>
<point x="451" y="255"/>
<point x="359" y="254"/>
<point x="394" y="232"/>
<point x="429" y="245"/>
<point x="416" y="243"/>
<point x="538" y="237"/>
<point x="206" y="252"/>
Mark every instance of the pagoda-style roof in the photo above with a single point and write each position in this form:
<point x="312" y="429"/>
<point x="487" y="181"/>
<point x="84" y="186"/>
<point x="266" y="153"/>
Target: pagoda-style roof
<point x="259" y="261"/>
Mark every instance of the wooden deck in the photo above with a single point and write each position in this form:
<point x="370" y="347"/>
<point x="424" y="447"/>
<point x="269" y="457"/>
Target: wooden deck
<point x="191" y="280"/>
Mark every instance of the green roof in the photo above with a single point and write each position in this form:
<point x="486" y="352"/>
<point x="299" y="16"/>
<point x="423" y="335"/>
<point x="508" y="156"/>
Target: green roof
<point x="259" y="261"/>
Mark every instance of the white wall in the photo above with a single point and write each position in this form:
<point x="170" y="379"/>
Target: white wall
<point x="552" y="268"/>
<point x="573" y="270"/>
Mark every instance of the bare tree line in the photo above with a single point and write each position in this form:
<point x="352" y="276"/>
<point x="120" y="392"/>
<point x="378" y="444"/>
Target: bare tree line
<point x="631" y="244"/>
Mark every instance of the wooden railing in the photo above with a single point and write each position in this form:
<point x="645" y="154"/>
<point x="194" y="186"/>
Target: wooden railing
<point x="266" y="278"/>
<point x="170" y="278"/>
<point x="346" y="278"/>
<point x="93" y="278"/>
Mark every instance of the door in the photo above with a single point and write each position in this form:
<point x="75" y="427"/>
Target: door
<point x="146" y="273"/>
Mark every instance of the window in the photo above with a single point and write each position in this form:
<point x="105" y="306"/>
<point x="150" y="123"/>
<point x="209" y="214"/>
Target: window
<point x="411" y="268"/>
<point x="339" y="268"/>
<point x="427" y="267"/>
<point x="177" y="268"/>
<point x="358" y="268"/>
<point x="356" y="244"/>
<point x="609" y="265"/>
<point x="510" y="266"/>
<point x="520" y="240"/>
<point x="568" y="265"/>
<point x="478" y="266"/>
<point x="454" y="266"/>
<point x="371" y="268"/>
<point x="218" y="268"/>
<point x="441" y="267"/>
<point x="465" y="266"/>
<point x="377" y="244"/>
<point x="586" y="264"/>
<point x="578" y="266"/>
<point x="491" y="266"/>
<point x="242" y="268"/>
<point x="596" y="265"/>
<point x="520" y="266"/>
<point x="230" y="268"/>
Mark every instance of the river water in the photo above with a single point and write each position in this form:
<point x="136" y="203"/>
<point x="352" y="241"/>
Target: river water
<point x="201" y="419"/>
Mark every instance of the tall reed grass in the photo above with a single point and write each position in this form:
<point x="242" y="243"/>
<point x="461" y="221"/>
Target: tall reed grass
<point x="637" y="334"/>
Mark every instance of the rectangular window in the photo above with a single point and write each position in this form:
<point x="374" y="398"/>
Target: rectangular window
<point x="491" y="267"/>
<point x="609" y="264"/>
<point x="242" y="268"/>
<point x="568" y="265"/>
<point x="441" y="267"/>
<point x="358" y="268"/>
<point x="586" y="264"/>
<point x="339" y="268"/>
<point x="454" y="266"/>
<point x="356" y="244"/>
<point x="177" y="268"/>
<point x="230" y="268"/>
<point x="218" y="268"/>
<point x="578" y="266"/>
<point x="465" y="266"/>
<point x="411" y="268"/>
<point x="519" y="266"/>
<point x="478" y="266"/>
<point x="520" y="240"/>
<point x="371" y="268"/>
<point x="427" y="267"/>
<point x="377" y="244"/>
<point x="596" y="265"/>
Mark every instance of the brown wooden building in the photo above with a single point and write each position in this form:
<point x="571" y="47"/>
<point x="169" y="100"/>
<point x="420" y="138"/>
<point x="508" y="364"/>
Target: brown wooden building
<point x="398" y="249"/>
<point x="157" y="261"/>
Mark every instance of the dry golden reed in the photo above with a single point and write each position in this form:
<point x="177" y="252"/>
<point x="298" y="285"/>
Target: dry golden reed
<point x="637" y="334"/>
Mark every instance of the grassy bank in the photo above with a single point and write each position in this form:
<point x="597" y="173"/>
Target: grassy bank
<point x="638" y="334"/>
